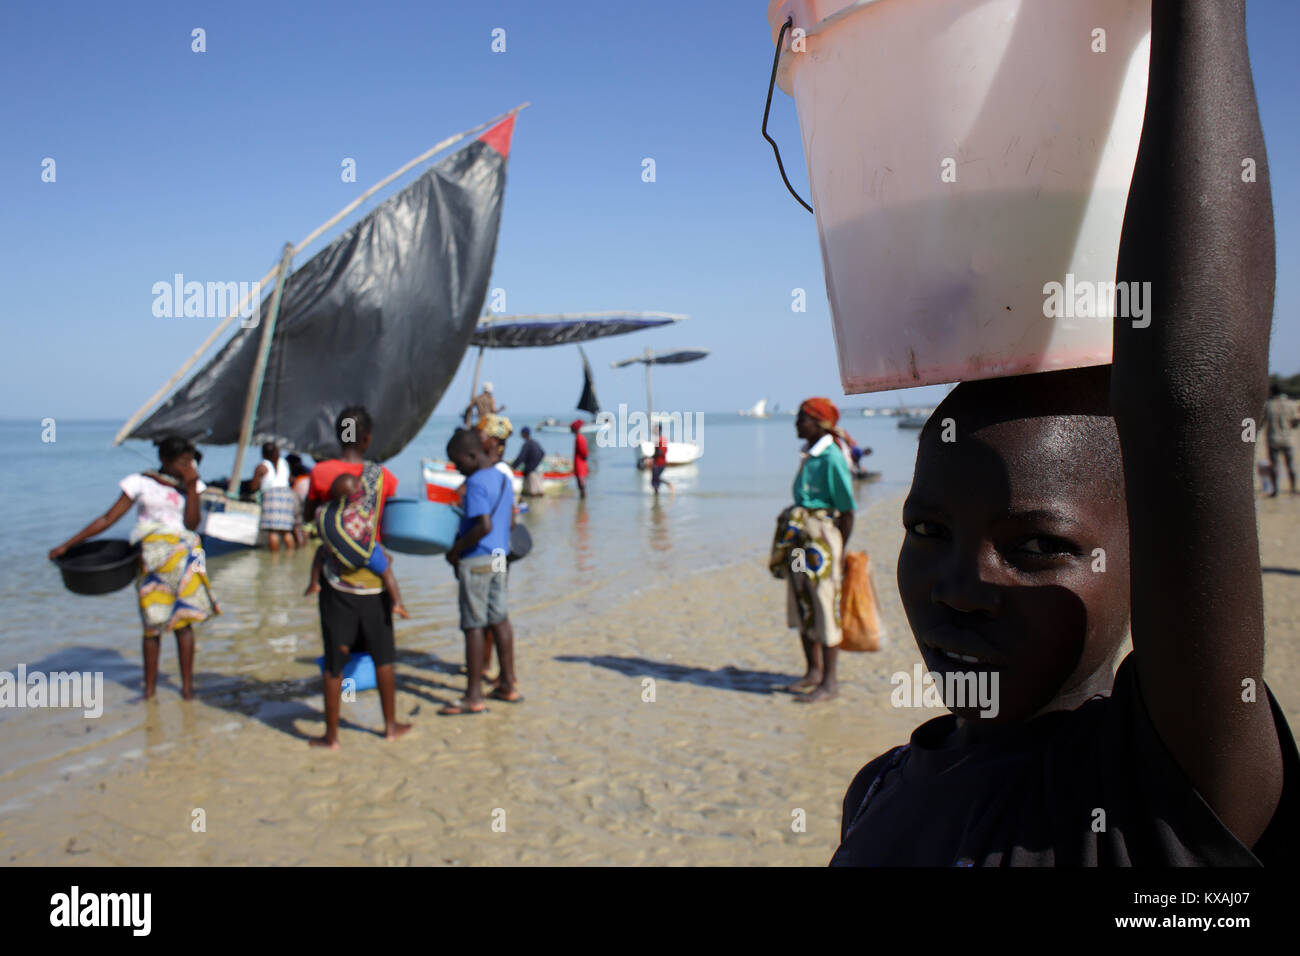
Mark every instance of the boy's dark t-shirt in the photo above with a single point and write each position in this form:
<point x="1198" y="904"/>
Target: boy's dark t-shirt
<point x="1031" y="796"/>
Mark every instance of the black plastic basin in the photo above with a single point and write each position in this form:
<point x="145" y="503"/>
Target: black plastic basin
<point x="99" y="566"/>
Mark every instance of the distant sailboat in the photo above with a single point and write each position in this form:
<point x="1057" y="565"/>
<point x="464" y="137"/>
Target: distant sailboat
<point x="758" y="411"/>
<point x="679" y="452"/>
<point x="570" y="328"/>
<point x="587" y="400"/>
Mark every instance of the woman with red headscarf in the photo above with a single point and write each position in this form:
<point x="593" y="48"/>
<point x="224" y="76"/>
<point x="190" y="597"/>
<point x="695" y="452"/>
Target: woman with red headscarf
<point x="809" y="547"/>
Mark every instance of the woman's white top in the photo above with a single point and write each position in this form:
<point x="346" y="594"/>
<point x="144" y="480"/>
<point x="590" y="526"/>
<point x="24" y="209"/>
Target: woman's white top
<point x="157" y="503"/>
<point x="278" y="474"/>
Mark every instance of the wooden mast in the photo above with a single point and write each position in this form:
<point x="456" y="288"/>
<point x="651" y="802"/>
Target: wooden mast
<point x="649" y="395"/>
<point x="259" y="373"/>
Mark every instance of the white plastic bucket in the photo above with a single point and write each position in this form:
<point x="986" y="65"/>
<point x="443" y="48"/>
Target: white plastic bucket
<point x="963" y="154"/>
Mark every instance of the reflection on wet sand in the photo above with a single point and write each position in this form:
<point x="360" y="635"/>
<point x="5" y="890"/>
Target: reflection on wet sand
<point x="660" y="537"/>
<point x="582" y="544"/>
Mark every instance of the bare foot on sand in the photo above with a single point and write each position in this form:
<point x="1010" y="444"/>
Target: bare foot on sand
<point x="820" y="694"/>
<point x="395" y="730"/>
<point x="324" y="742"/>
<point x="803" y="684"/>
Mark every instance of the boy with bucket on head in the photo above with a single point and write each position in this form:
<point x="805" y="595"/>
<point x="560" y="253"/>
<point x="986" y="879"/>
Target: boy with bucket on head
<point x="1074" y="505"/>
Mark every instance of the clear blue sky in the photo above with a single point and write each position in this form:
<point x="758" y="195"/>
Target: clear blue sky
<point x="170" y="161"/>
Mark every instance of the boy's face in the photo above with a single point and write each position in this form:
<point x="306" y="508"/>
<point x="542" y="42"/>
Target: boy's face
<point x="468" y="459"/>
<point x="998" y="563"/>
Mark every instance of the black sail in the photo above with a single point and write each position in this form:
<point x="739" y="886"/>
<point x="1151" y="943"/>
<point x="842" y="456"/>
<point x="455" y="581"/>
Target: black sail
<point x="587" y="403"/>
<point x="381" y="317"/>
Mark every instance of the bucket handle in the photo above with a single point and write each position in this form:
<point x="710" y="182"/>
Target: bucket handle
<point x="780" y="42"/>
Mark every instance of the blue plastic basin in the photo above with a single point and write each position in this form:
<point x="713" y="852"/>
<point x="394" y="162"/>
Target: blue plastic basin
<point x="359" y="668"/>
<point x="411" y="526"/>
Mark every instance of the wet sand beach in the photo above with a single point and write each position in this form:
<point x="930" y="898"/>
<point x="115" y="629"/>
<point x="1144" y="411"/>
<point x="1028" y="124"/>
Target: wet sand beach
<point x="713" y="771"/>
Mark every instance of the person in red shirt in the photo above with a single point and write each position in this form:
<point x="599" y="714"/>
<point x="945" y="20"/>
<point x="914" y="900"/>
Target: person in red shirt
<point x="579" y="457"/>
<point x="355" y="611"/>
<point x="350" y="462"/>
<point x="660" y="462"/>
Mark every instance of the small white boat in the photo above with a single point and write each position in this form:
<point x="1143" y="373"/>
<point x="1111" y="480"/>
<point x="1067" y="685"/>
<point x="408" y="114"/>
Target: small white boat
<point x="442" y="481"/>
<point x="556" y="427"/>
<point x="758" y="411"/>
<point x="227" y="524"/>
<point x="679" y="452"/>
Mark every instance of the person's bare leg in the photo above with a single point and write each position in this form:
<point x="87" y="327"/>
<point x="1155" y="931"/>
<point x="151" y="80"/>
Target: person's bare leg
<point x="290" y="541"/>
<point x="185" y="651"/>
<point x="507" y="688"/>
<point x="474" y="639"/>
<point x="333" y="691"/>
<point x="813" y="673"/>
<point x="273" y="541"/>
<point x="829" y="686"/>
<point x="149" y="645"/>
<point x="387" y="681"/>
<point x="489" y="639"/>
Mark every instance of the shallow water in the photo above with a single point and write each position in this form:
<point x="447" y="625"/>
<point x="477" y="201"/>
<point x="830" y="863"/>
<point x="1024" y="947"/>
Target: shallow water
<point x="588" y="556"/>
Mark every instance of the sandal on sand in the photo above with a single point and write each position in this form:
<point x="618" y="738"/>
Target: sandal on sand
<point x="499" y="694"/>
<point x="459" y="708"/>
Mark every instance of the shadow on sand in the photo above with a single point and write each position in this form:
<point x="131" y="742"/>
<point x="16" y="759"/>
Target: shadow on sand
<point x="279" y="704"/>
<point x="724" y="678"/>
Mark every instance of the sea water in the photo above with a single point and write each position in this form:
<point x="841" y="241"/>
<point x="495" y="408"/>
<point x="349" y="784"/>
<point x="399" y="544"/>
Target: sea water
<point x="259" y="652"/>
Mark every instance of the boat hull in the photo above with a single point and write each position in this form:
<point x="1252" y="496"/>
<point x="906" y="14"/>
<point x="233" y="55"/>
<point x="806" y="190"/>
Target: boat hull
<point x="228" y="525"/>
<point x="679" y="452"/>
<point x="442" y="481"/>
<point x="588" y="429"/>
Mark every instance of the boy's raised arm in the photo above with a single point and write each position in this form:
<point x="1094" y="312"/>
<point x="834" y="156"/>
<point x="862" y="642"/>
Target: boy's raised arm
<point x="1199" y="228"/>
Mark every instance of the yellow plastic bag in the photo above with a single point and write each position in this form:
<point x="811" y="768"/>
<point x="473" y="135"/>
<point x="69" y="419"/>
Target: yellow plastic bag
<point x="858" y="605"/>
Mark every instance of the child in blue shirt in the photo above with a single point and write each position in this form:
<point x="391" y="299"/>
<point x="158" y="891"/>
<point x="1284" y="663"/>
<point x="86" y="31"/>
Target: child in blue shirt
<point x="479" y="557"/>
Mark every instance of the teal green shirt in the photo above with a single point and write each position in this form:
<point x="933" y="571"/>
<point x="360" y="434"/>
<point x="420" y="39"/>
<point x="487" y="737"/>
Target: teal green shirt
<point x="824" y="480"/>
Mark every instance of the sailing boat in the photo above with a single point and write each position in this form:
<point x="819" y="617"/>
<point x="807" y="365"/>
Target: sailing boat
<point x="587" y="402"/>
<point x="442" y="480"/>
<point x="679" y="452"/>
<point x="758" y="411"/>
<point x="380" y="317"/>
